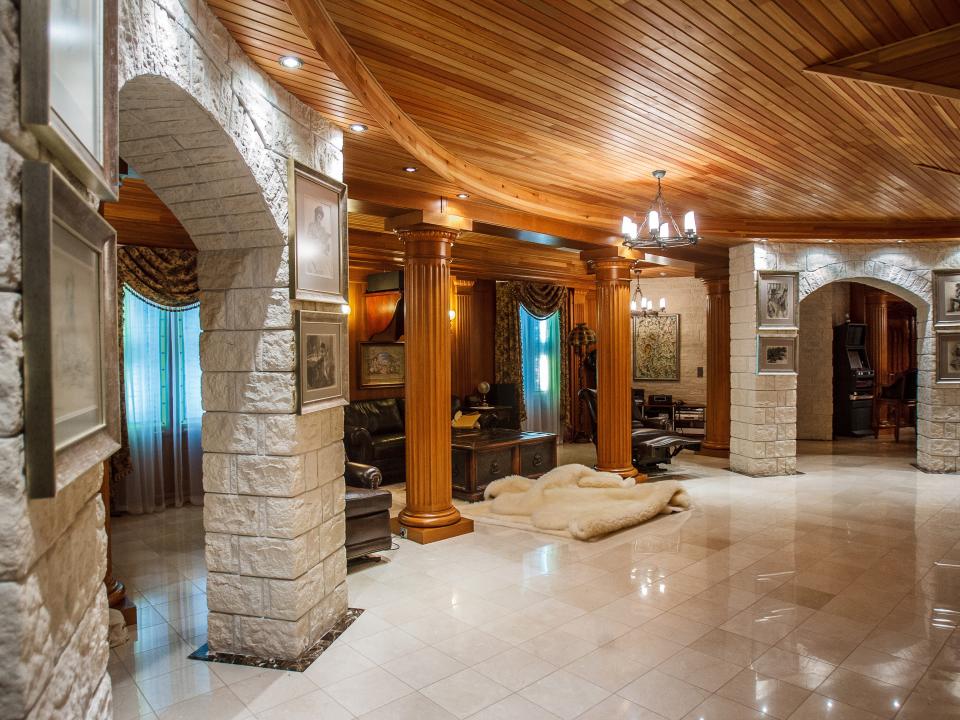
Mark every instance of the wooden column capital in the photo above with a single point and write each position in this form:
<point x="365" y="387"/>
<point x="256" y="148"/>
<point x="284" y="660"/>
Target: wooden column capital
<point x="613" y="269"/>
<point x="463" y="287"/>
<point x="428" y="242"/>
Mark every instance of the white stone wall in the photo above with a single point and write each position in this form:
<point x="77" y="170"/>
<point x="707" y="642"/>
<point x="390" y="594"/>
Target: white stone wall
<point x="764" y="419"/>
<point x="53" y="646"/>
<point x="820" y="311"/>
<point x="688" y="298"/>
<point x="211" y="134"/>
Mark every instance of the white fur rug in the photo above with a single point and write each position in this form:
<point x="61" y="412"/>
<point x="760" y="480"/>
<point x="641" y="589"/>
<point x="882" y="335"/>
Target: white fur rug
<point x="580" y="501"/>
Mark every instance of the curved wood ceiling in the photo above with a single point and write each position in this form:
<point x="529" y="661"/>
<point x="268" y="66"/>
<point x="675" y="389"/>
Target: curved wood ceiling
<point x="583" y="98"/>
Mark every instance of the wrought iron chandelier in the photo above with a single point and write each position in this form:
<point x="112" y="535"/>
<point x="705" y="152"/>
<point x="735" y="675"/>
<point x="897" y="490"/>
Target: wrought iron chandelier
<point x="643" y="306"/>
<point x="659" y="229"/>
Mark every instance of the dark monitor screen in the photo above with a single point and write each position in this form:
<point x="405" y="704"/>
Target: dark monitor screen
<point x="856" y="334"/>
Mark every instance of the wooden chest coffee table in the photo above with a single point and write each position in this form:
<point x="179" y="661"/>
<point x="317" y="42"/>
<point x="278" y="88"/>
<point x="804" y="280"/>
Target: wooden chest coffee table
<point x="482" y="456"/>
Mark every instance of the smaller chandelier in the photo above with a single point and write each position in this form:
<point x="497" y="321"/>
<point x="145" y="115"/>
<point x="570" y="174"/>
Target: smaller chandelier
<point x="643" y="306"/>
<point x="659" y="229"/>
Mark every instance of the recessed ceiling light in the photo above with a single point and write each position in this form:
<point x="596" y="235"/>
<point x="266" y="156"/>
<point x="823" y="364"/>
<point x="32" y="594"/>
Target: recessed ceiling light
<point x="358" y="127"/>
<point x="291" y="62"/>
<point x="463" y="196"/>
<point x="830" y="241"/>
<point x="409" y="168"/>
<point x="663" y="274"/>
<point x="901" y="241"/>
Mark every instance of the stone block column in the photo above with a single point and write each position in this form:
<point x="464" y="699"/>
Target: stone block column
<point x="429" y="514"/>
<point x="716" y="441"/>
<point x="614" y="367"/>
<point x="763" y="408"/>
<point x="273" y="479"/>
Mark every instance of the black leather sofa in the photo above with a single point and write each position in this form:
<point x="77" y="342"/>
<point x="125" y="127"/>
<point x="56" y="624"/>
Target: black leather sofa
<point x="367" y="511"/>
<point x="651" y="443"/>
<point x="374" y="434"/>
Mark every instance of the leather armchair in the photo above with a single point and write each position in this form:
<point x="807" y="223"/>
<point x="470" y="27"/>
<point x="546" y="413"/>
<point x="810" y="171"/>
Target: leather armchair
<point x="651" y="444"/>
<point x="367" y="511"/>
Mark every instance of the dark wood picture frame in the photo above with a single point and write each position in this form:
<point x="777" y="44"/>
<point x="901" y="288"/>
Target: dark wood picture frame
<point x="331" y="323"/>
<point x="363" y="375"/>
<point x="946" y="340"/>
<point x="940" y="297"/>
<point x="48" y="123"/>
<point x="767" y="341"/>
<point x="49" y="200"/>
<point x="792" y="321"/>
<point x="299" y="290"/>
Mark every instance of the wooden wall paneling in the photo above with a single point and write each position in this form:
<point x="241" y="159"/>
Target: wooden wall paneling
<point x="358" y="330"/>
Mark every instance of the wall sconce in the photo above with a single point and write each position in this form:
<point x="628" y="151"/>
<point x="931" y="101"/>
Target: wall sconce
<point x="345" y="309"/>
<point x="452" y="314"/>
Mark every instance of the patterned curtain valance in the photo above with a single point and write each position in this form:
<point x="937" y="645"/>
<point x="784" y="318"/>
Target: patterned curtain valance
<point x="539" y="299"/>
<point x="165" y="276"/>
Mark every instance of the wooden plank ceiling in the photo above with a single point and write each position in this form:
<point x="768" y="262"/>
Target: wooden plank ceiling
<point x="583" y="98"/>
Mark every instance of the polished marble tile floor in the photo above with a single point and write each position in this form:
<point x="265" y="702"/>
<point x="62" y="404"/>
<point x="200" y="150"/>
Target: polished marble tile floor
<point x="831" y="594"/>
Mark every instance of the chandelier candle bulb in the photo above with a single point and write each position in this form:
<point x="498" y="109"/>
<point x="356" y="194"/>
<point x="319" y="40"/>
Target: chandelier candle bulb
<point x="690" y="223"/>
<point x="663" y="303"/>
<point x="665" y="230"/>
<point x="653" y="221"/>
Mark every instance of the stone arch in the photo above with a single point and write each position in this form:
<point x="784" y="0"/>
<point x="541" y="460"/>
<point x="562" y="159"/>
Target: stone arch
<point x="211" y="135"/>
<point x="763" y="408"/>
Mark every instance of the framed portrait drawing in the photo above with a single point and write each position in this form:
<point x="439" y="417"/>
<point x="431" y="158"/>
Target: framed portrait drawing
<point x="776" y="355"/>
<point x="382" y="364"/>
<point x="318" y="235"/>
<point x="322" y="376"/>
<point x="71" y="371"/>
<point x="68" y="81"/>
<point x="948" y="357"/>
<point x="656" y="347"/>
<point x="946" y="297"/>
<point x="777" y="300"/>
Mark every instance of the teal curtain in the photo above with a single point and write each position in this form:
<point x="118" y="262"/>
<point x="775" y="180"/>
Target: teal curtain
<point x="161" y="358"/>
<point x="540" y="347"/>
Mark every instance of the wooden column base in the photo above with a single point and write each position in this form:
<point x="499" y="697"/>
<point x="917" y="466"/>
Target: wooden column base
<point x="622" y="472"/>
<point x="117" y="600"/>
<point x="428" y="535"/>
<point x="711" y="450"/>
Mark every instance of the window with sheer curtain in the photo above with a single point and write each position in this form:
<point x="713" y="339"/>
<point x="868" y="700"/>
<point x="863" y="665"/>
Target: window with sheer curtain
<point x="161" y="356"/>
<point x="540" y="347"/>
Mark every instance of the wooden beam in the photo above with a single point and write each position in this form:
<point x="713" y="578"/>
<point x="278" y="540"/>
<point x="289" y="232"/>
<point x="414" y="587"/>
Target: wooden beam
<point x="889" y="81"/>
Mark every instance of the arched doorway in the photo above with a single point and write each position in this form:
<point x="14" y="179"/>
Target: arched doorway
<point x="211" y="136"/>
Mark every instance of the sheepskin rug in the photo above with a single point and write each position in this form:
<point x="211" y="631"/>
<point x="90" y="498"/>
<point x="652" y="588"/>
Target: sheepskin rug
<point x="584" y="502"/>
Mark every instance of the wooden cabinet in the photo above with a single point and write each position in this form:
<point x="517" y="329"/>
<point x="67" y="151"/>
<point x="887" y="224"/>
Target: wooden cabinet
<point x="480" y="457"/>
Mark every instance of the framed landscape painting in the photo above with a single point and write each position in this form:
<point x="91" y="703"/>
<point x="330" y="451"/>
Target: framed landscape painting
<point x="948" y="357"/>
<point x="318" y="235"/>
<point x="946" y="297"/>
<point x="71" y="371"/>
<point x="776" y="355"/>
<point x="382" y="364"/>
<point x="322" y="369"/>
<point x="777" y="300"/>
<point x="656" y="347"/>
<point x="68" y="79"/>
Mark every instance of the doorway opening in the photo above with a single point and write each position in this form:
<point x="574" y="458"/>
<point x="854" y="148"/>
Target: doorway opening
<point x="857" y="379"/>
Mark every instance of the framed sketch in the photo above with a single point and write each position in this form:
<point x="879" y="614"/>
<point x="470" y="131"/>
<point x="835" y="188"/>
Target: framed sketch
<point x="322" y="369"/>
<point x="776" y="355"/>
<point x="948" y="357"/>
<point x="777" y="300"/>
<point x="382" y="364"/>
<point x="318" y="235"/>
<point x="946" y="297"/>
<point x="71" y="371"/>
<point x="656" y="347"/>
<point x="68" y="85"/>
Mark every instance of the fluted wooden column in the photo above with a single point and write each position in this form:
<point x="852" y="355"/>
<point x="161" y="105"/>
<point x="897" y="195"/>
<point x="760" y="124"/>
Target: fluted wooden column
<point x="877" y="335"/>
<point x="429" y="514"/>
<point x="614" y="371"/>
<point x="717" y="438"/>
<point x="462" y="381"/>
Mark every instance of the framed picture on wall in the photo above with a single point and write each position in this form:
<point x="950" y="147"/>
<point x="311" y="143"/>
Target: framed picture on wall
<point x="656" y="347"/>
<point x="946" y="297"/>
<point x="318" y="235"/>
<point x="776" y="355"/>
<point x="68" y="85"/>
<point x="322" y="360"/>
<point x="71" y="370"/>
<point x="948" y="357"/>
<point x="382" y="364"/>
<point x="777" y="300"/>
